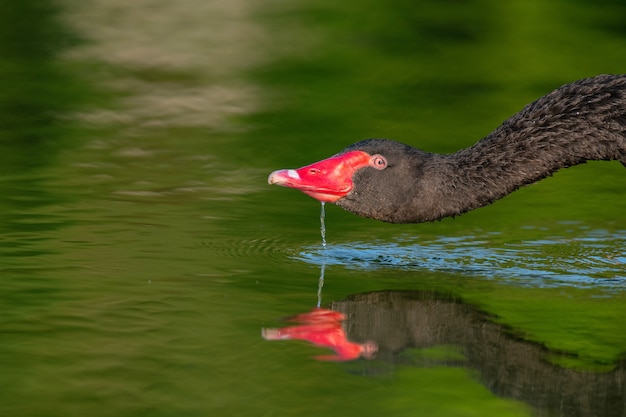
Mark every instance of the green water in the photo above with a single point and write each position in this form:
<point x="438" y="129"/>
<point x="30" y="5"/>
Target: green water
<point x="142" y="250"/>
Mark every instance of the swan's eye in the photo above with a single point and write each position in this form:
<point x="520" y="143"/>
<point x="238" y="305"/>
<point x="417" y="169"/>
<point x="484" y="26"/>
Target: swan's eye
<point x="378" y="162"/>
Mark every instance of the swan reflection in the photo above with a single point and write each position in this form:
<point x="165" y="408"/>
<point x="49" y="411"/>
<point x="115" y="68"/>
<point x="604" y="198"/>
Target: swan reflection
<point x="425" y="329"/>
<point x="416" y="321"/>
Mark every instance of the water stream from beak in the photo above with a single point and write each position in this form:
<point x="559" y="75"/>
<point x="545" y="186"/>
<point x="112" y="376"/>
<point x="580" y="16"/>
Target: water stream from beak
<point x="320" y="284"/>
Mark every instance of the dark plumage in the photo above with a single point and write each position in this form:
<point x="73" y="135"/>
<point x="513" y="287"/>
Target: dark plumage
<point x="582" y="121"/>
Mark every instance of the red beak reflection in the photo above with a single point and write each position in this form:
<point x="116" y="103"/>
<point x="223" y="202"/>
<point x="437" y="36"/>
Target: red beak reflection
<point x="323" y="328"/>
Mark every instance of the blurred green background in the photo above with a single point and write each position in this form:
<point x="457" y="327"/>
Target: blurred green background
<point x="142" y="250"/>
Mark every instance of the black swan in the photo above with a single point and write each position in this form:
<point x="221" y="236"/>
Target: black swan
<point x="393" y="182"/>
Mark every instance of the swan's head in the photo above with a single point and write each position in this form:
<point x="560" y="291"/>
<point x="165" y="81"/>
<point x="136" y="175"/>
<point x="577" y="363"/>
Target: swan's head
<point x="375" y="178"/>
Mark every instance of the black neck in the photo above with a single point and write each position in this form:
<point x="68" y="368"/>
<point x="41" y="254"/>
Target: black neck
<point x="532" y="145"/>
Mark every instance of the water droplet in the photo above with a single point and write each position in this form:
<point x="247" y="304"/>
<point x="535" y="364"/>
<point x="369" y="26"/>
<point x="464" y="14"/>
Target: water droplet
<point x="323" y="225"/>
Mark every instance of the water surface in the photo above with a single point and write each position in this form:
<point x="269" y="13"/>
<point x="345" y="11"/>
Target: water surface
<point x="142" y="250"/>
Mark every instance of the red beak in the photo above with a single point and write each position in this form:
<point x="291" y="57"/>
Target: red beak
<point x="327" y="180"/>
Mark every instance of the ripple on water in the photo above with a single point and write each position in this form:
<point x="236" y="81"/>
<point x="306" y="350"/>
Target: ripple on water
<point x="267" y="249"/>
<point x="593" y="258"/>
